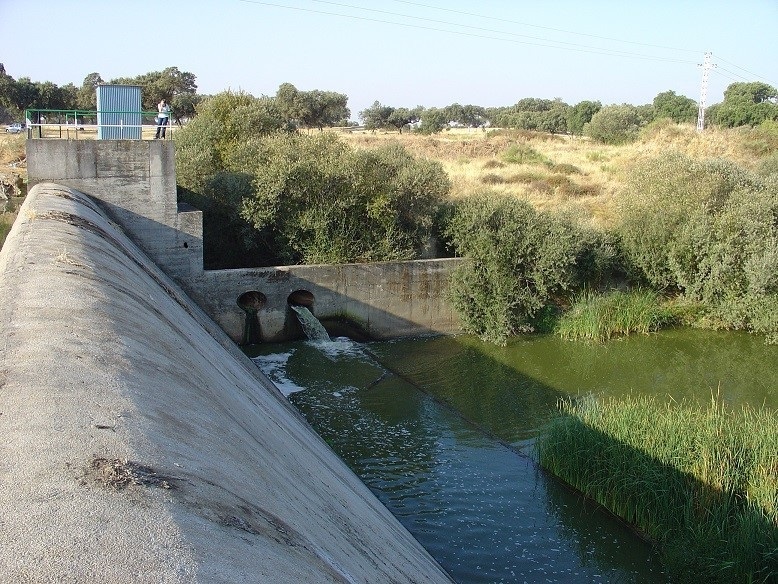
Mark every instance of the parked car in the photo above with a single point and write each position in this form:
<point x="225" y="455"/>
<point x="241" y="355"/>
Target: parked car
<point x="14" y="129"/>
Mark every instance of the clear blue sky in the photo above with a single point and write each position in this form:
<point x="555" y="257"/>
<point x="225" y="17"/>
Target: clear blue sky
<point x="402" y="53"/>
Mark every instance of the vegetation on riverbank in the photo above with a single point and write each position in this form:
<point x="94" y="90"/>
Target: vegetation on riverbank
<point x="518" y="259"/>
<point x="701" y="232"/>
<point x="272" y="197"/>
<point x="598" y="317"/>
<point x="691" y="216"/>
<point x="706" y="230"/>
<point x="700" y="482"/>
<point x="13" y="176"/>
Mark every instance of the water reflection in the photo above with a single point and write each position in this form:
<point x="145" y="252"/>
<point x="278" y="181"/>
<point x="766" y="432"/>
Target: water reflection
<point x="511" y="391"/>
<point x="483" y="510"/>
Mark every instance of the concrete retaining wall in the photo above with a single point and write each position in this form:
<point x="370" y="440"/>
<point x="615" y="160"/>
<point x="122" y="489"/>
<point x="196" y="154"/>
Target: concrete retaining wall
<point x="385" y="300"/>
<point x="135" y="181"/>
<point x="138" y="444"/>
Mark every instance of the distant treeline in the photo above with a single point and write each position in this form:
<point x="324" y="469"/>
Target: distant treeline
<point x="744" y="104"/>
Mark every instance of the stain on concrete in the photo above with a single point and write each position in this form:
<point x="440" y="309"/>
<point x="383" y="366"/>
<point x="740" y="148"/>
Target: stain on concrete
<point x="120" y="473"/>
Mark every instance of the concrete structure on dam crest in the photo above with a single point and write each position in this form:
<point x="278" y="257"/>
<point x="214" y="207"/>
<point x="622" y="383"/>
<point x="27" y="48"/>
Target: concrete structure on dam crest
<point x="137" y="442"/>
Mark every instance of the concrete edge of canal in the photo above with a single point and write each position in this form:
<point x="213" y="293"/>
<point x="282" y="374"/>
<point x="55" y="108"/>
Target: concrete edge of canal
<point x="137" y="443"/>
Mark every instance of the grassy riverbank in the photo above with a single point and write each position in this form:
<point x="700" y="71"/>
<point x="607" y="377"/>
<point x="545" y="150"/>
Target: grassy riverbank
<point x="690" y="215"/>
<point x="701" y="482"/>
<point x="598" y="317"/>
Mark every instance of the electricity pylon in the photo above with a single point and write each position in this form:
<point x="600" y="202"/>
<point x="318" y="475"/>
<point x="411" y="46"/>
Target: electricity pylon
<point x="706" y="67"/>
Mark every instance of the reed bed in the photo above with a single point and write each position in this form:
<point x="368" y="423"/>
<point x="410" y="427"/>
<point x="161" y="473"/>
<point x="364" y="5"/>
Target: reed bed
<point x="701" y="482"/>
<point x="599" y="317"/>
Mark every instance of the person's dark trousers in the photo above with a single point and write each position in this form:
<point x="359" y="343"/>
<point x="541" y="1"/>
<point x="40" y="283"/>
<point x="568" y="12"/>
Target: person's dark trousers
<point x="161" y="126"/>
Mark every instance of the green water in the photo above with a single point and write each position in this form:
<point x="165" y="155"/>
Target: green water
<point x="510" y="391"/>
<point x="440" y="429"/>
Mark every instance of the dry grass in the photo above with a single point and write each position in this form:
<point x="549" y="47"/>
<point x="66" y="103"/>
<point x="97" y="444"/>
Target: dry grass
<point x="12" y="149"/>
<point x="120" y="473"/>
<point x="13" y="157"/>
<point x="557" y="173"/>
<point x="563" y="173"/>
<point x="65" y="257"/>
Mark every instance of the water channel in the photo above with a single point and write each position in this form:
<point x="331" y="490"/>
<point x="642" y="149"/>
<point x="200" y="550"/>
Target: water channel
<point x="441" y="430"/>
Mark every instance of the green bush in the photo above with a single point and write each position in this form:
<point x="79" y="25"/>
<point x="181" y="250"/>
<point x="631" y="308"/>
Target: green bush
<point x="207" y="144"/>
<point x="326" y="203"/>
<point x="769" y="164"/>
<point x="518" y="259"/>
<point x="708" y="230"/>
<point x="271" y="197"/>
<point x="564" y="168"/>
<point x="522" y="154"/>
<point x="211" y="179"/>
<point x="761" y="140"/>
<point x="614" y="124"/>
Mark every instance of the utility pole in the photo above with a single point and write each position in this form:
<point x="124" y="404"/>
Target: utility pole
<point x="706" y="67"/>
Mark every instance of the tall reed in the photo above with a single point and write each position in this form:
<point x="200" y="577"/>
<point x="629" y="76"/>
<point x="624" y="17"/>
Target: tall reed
<point x="700" y="482"/>
<point x="599" y="317"/>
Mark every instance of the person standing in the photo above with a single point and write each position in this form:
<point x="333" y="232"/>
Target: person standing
<point x="163" y="116"/>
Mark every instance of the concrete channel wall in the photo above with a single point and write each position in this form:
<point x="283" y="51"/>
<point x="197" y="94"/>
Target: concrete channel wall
<point x="383" y="300"/>
<point x="138" y="444"/>
<point x="135" y="182"/>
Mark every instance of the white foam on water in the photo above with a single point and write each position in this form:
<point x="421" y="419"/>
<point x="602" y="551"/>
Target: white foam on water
<point x="338" y="348"/>
<point x="274" y="366"/>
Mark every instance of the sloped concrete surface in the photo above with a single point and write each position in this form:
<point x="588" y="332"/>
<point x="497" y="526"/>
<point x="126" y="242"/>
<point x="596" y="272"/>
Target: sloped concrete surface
<point x="137" y="444"/>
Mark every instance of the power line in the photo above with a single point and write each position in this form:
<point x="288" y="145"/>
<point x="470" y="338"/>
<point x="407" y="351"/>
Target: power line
<point x="733" y="74"/>
<point x="573" y="47"/>
<point x="495" y="18"/>
<point x="478" y="28"/>
<point x="504" y="20"/>
<point x="512" y="37"/>
<point x="729" y="75"/>
<point x="742" y="69"/>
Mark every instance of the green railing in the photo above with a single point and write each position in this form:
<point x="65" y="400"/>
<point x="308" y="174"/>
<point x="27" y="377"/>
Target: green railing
<point x="91" y="124"/>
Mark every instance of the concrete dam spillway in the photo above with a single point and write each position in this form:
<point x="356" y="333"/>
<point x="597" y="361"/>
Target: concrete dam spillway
<point x="139" y="444"/>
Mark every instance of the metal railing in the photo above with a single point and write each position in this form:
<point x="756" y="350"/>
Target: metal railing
<point x="96" y="125"/>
